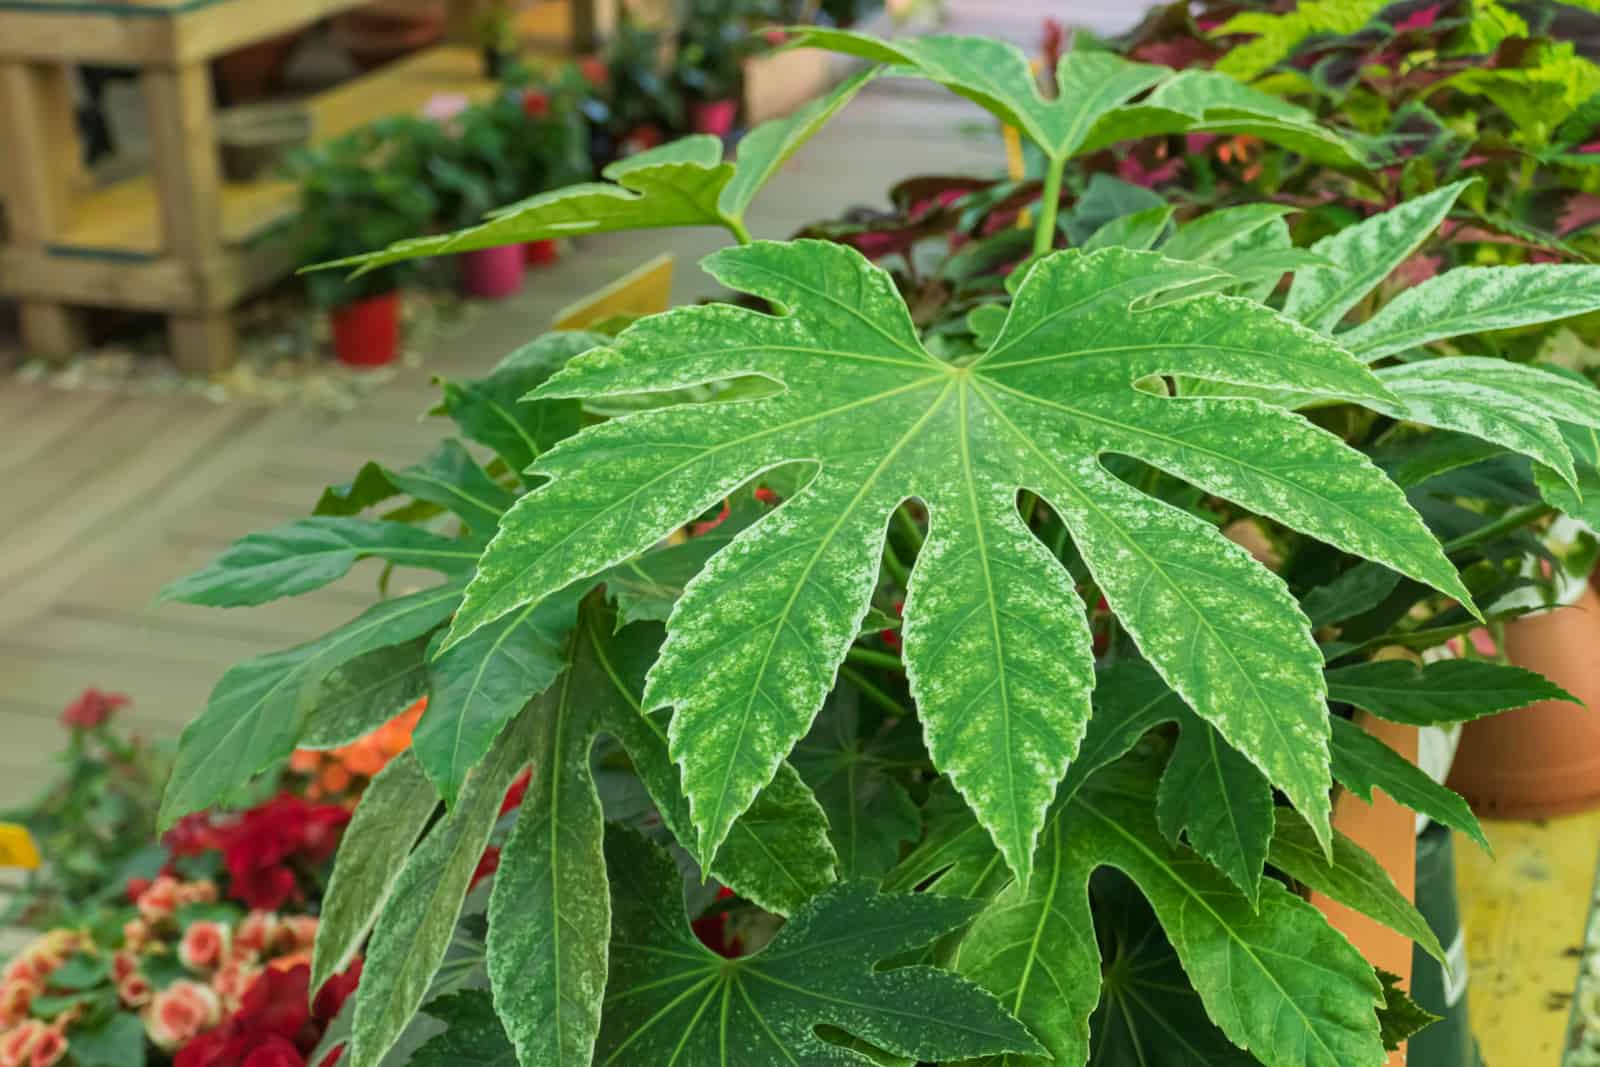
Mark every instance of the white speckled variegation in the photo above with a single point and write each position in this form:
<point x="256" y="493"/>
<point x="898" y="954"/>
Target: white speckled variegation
<point x="1363" y="255"/>
<point x="996" y="645"/>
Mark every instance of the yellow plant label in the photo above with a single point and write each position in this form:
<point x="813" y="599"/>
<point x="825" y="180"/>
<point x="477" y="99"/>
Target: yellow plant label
<point x="17" y="848"/>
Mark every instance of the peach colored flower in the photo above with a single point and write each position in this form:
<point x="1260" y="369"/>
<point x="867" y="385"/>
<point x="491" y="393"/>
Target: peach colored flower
<point x="204" y="945"/>
<point x="123" y="963"/>
<point x="179" y="1012"/>
<point x="15" y="999"/>
<point x="22" y="969"/>
<point x="255" y="934"/>
<point x="134" y="990"/>
<point x="135" y="935"/>
<point x="15" y="1044"/>
<point x="231" y="981"/>
<point x="159" y="901"/>
<point x="297" y="932"/>
<point x="201" y="892"/>
<point x="49" y="1049"/>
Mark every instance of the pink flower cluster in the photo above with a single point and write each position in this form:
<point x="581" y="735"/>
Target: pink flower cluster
<point x="26" y="1041"/>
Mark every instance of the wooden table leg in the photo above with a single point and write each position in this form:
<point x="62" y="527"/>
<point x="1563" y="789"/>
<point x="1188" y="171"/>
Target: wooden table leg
<point x="189" y="190"/>
<point x="40" y="174"/>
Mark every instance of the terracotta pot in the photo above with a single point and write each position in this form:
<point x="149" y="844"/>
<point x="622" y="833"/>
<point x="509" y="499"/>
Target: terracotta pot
<point x="1388" y="830"/>
<point x="367" y="332"/>
<point x="715" y="117"/>
<point x="493" y="273"/>
<point x="378" y="33"/>
<point x="251" y="72"/>
<point x="1541" y="760"/>
<point x="542" y="253"/>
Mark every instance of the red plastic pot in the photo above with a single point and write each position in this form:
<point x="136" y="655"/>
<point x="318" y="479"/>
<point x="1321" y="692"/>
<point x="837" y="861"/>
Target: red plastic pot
<point x="541" y="253"/>
<point x="367" y="333"/>
<point x="715" y="117"/>
<point x="492" y="273"/>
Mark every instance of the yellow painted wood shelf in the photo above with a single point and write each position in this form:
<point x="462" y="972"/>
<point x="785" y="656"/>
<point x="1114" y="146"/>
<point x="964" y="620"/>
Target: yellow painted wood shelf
<point x="179" y="241"/>
<point x="1524" y="910"/>
<point x="123" y="220"/>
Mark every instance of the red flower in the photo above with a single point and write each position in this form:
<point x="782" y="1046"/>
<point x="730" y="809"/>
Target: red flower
<point x="92" y="709"/>
<point x="774" y="35"/>
<point x="594" y="71"/>
<point x="535" y="104"/>
<point x="274" y="1051"/>
<point x="486" y="866"/>
<point x="518" y="790"/>
<point x="335" y="991"/>
<point x="766" y="496"/>
<point x="258" y="845"/>
<point x="135" y="889"/>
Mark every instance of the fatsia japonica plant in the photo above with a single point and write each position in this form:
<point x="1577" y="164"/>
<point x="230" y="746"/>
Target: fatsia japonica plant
<point x="882" y="622"/>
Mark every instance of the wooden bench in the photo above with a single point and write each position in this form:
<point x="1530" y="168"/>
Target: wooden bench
<point x="180" y="241"/>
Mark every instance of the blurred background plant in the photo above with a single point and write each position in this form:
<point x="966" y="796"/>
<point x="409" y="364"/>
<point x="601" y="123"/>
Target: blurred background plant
<point x="94" y="826"/>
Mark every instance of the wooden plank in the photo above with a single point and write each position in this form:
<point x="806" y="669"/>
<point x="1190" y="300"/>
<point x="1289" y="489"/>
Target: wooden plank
<point x="58" y="416"/>
<point x="49" y="329"/>
<point x="148" y="285"/>
<point x="188" y="170"/>
<point x="217" y="28"/>
<point x="1523" y="912"/>
<point x="49" y="35"/>
<point x="41" y="170"/>
<point x="202" y="344"/>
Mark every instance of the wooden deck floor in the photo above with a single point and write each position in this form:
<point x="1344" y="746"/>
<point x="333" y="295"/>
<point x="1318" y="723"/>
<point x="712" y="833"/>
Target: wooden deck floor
<point x="107" y="497"/>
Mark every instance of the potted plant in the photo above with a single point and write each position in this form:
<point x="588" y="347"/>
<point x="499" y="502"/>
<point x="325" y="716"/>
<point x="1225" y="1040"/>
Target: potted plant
<point x="517" y="144"/>
<point x="359" y="188"/>
<point x="962" y="696"/>
<point x="496" y="30"/>
<point x="712" y="42"/>
<point x="633" y="103"/>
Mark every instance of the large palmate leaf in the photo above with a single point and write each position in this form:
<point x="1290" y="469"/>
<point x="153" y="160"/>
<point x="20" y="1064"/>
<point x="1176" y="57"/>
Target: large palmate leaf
<point x="997" y="651"/>
<point x="670" y="1000"/>
<point x="1149" y="1014"/>
<point x="549" y="914"/>
<point x="1035" y="946"/>
<point x="1092" y="105"/>
<point x="682" y="183"/>
<point x="473" y="1035"/>
<point x="260" y="708"/>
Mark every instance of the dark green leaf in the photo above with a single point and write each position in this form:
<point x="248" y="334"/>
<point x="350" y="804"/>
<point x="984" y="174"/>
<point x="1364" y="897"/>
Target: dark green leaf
<point x="1219" y="801"/>
<point x="670" y="1000"/>
<point x="473" y="1036"/>
<point x="117" y="1041"/>
<point x="308" y="554"/>
<point x="391" y="816"/>
<point x="1450" y="690"/>
<point x="1363" y="763"/>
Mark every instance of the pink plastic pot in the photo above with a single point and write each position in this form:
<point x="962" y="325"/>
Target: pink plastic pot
<point x="542" y="253"/>
<point x="367" y="332"/>
<point x="715" y="117"/>
<point x="492" y="273"/>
